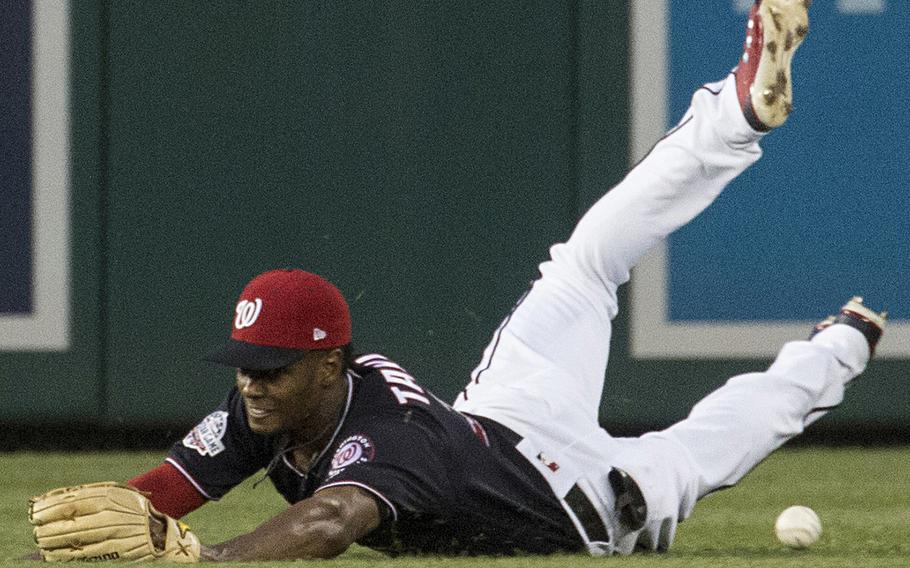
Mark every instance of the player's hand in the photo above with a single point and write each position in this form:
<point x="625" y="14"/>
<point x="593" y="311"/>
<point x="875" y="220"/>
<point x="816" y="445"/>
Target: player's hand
<point x="107" y="521"/>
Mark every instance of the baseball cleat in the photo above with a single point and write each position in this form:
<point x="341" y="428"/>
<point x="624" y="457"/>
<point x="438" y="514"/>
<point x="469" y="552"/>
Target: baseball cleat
<point x="871" y="324"/>
<point x="774" y="31"/>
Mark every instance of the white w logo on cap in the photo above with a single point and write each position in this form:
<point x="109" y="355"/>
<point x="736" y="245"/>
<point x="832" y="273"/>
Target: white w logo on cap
<point x="247" y="312"/>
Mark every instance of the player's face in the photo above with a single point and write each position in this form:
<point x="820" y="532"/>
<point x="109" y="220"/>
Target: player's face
<point x="285" y="400"/>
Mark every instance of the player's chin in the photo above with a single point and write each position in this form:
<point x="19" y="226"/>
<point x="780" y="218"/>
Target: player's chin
<point x="263" y="423"/>
<point x="265" y="428"/>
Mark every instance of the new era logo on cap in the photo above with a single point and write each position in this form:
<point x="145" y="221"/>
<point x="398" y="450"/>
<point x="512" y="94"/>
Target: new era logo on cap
<point x="282" y="313"/>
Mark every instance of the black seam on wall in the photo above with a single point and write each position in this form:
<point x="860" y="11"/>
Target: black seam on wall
<point x="104" y="108"/>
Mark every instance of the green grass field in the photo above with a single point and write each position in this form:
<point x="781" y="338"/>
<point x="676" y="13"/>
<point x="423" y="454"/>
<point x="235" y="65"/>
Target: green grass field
<point x="861" y="495"/>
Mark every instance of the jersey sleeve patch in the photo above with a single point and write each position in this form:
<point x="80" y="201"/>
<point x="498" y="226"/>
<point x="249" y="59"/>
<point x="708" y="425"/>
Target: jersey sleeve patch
<point x="353" y="450"/>
<point x="206" y="437"/>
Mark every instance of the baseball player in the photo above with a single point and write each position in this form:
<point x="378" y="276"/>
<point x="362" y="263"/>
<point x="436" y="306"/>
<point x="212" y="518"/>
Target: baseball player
<point x="363" y="453"/>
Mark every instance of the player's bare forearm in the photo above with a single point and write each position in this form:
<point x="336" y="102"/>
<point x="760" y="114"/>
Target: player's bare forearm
<point x="284" y="537"/>
<point x="322" y="526"/>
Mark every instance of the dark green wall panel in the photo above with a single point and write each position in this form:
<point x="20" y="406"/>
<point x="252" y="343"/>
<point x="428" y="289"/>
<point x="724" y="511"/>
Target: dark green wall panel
<point x="420" y="155"/>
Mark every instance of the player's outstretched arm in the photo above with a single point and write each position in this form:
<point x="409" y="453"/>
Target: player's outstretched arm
<point x="322" y="526"/>
<point x="169" y="491"/>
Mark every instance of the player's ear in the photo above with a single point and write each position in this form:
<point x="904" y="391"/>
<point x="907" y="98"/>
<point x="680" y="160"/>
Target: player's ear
<point x="330" y="365"/>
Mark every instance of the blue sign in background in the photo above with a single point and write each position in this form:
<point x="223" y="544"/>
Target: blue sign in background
<point x="826" y="213"/>
<point x="15" y="159"/>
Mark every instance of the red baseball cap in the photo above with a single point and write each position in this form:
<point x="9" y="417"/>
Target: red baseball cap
<point x="280" y="315"/>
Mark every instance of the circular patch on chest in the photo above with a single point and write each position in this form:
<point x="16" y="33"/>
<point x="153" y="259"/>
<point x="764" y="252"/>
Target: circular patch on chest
<point x="354" y="449"/>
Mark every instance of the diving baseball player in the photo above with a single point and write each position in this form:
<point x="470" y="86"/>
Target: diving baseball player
<point x="363" y="453"/>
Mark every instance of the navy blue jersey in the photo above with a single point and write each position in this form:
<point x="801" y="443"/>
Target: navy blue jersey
<point x="446" y="482"/>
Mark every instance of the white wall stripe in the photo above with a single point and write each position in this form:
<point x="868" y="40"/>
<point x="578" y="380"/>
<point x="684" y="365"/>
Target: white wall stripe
<point x="861" y="6"/>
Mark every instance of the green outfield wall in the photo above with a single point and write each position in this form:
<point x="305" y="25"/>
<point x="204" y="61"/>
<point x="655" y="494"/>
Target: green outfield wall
<point x="423" y="156"/>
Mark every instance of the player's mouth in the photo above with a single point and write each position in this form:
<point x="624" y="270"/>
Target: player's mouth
<point x="257" y="412"/>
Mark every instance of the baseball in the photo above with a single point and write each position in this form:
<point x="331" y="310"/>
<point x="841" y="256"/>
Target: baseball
<point x="798" y="527"/>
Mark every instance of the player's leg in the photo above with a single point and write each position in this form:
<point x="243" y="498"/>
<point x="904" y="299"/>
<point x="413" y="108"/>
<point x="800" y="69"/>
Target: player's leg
<point x="737" y="426"/>
<point x="555" y="343"/>
<point x="724" y="437"/>
<point x="542" y="373"/>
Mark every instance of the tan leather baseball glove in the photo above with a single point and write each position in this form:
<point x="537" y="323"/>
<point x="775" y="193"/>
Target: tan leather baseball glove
<point x="107" y="521"/>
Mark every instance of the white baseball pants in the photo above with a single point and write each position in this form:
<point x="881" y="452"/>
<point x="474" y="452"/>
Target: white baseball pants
<point x="542" y="374"/>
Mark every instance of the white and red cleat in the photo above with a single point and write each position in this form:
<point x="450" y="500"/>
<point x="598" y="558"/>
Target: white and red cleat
<point x="763" y="81"/>
<point x="870" y="323"/>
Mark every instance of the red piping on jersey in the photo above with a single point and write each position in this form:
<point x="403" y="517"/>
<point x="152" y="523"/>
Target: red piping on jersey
<point x="479" y="431"/>
<point x="171" y="493"/>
